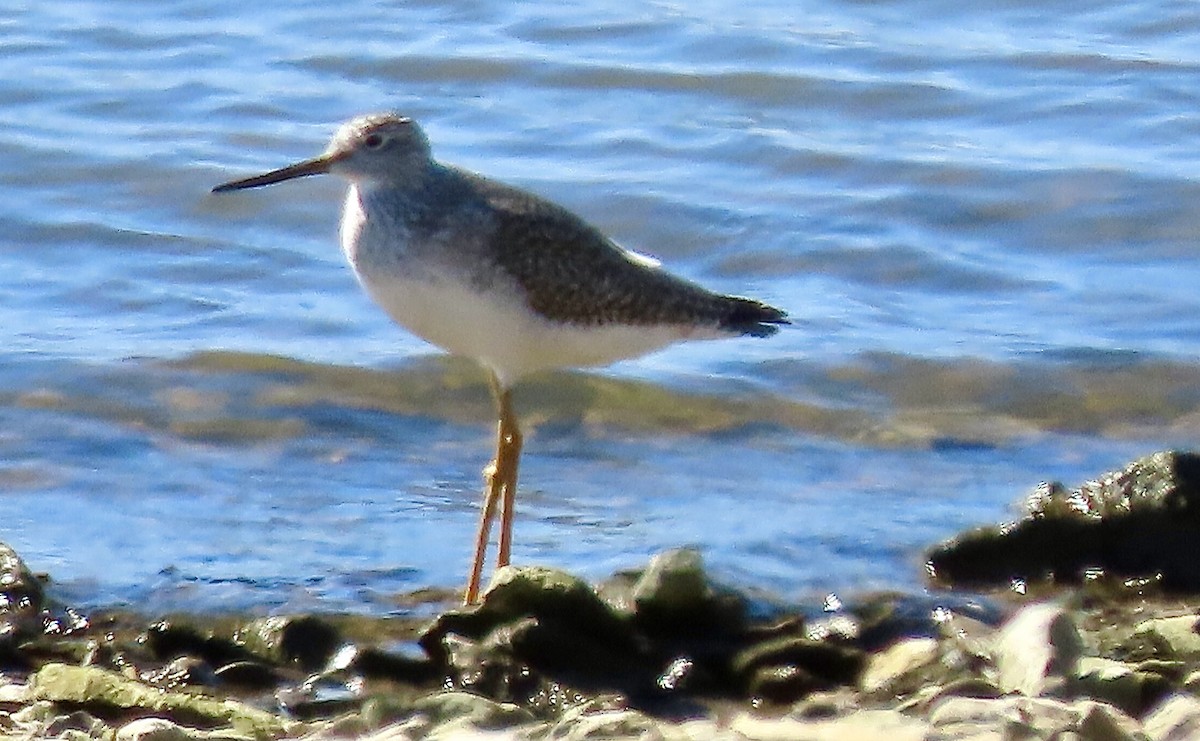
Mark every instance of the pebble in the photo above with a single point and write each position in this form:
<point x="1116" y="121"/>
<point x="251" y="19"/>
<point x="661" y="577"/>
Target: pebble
<point x="1037" y="651"/>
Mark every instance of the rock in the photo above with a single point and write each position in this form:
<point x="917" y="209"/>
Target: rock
<point x="922" y="700"/>
<point x="319" y="696"/>
<point x="181" y="672"/>
<point x="483" y="668"/>
<point x="479" y="712"/>
<point x="1120" y="684"/>
<point x="1175" y="719"/>
<point x="248" y="674"/>
<point x="306" y="641"/>
<point x="384" y="710"/>
<point x="77" y="724"/>
<point x="1167" y="482"/>
<point x="549" y="595"/>
<point x="788" y="668"/>
<point x="883" y="618"/>
<point x="408" y="731"/>
<point x="1191" y="683"/>
<point x="863" y="725"/>
<point x="1031" y="718"/>
<point x="561" y="651"/>
<point x="1103" y="723"/>
<point x="675" y="597"/>
<point x="554" y="660"/>
<point x="1171" y="637"/>
<point x="781" y="684"/>
<point x="167" y="640"/>
<point x="535" y="627"/>
<point x="606" y="724"/>
<point x="1037" y="651"/>
<point x="21" y="604"/>
<point x="900" y="669"/>
<point x="1140" y="522"/>
<point x="21" y="589"/>
<point x="152" y="729"/>
<point x="546" y="593"/>
<point x="13" y="693"/>
<point x="161" y="729"/>
<point x="375" y="663"/>
<point x="95" y="687"/>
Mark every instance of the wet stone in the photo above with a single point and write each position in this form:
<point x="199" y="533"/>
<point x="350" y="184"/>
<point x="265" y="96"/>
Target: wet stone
<point x="781" y="684"/>
<point x="248" y="674"/>
<point x="318" y="696"/>
<point x="376" y="663"/>
<point x="884" y="618"/>
<point x="479" y="667"/>
<point x="385" y="709"/>
<point x="152" y="729"/>
<point x="689" y="625"/>
<point x="547" y="594"/>
<point x="535" y="624"/>
<point x="21" y="603"/>
<point x="678" y="635"/>
<point x="1170" y="637"/>
<point x="21" y="591"/>
<point x="181" y="672"/>
<point x="675" y="597"/>
<point x="1177" y="718"/>
<point x="865" y="724"/>
<point x="305" y="641"/>
<point x="1120" y="684"/>
<point x="609" y="724"/>
<point x="167" y="640"/>
<point x="477" y="711"/>
<point x="795" y="666"/>
<point x="161" y="729"/>
<point x="103" y="691"/>
<point x="1037" y="651"/>
<point x="1138" y="523"/>
<point x="900" y="669"/>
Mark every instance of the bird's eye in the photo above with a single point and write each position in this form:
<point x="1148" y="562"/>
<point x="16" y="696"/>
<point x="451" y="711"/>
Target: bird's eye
<point x="373" y="141"/>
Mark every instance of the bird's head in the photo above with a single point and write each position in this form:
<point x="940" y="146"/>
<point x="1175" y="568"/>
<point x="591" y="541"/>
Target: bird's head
<point x="381" y="147"/>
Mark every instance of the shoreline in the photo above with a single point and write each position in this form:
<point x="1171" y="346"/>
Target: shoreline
<point x="1058" y="643"/>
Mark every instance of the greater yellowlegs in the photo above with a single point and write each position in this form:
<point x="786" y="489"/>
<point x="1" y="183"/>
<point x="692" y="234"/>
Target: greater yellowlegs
<point x="492" y="272"/>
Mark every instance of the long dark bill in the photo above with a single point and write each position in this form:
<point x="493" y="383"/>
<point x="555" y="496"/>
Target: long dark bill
<point x="315" y="166"/>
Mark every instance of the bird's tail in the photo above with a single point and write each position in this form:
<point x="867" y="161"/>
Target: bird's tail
<point x="750" y="317"/>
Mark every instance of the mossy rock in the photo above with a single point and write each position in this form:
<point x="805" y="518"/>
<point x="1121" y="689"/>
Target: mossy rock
<point x="104" y="692"/>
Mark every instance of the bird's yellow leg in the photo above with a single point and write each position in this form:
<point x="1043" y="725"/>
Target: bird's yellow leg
<point x="508" y="458"/>
<point x="500" y="487"/>
<point x="491" y="495"/>
<point x="493" y="486"/>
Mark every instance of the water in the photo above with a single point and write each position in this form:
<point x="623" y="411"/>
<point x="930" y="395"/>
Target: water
<point x="982" y="219"/>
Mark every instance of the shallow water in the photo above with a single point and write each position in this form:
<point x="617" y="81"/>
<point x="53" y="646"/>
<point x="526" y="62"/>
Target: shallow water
<point x="982" y="221"/>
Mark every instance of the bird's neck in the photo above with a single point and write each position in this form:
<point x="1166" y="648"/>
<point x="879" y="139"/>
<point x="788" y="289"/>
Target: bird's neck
<point x="405" y="199"/>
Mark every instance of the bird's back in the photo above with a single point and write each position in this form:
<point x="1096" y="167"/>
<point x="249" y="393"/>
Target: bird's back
<point x="571" y="273"/>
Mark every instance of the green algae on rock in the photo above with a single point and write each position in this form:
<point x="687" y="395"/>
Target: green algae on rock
<point x="107" y="691"/>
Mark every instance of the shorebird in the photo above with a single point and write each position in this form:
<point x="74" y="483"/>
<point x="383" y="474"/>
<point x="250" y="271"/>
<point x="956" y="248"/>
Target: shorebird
<point x="495" y="273"/>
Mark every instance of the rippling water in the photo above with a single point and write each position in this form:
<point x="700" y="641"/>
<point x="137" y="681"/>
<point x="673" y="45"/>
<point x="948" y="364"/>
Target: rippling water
<point x="982" y="219"/>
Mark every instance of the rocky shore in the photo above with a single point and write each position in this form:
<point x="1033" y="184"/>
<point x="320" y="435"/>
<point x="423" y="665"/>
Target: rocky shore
<point x="1077" y="621"/>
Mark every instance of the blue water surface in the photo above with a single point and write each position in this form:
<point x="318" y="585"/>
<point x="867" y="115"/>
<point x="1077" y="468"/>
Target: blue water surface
<point x="1005" y="193"/>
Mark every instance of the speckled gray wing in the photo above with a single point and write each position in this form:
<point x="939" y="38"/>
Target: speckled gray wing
<point x="572" y="273"/>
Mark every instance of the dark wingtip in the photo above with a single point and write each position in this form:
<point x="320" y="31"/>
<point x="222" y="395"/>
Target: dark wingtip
<point x="754" y="318"/>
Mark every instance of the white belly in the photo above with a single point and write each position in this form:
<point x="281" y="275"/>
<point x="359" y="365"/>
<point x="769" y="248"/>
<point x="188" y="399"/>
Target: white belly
<point x="502" y="333"/>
